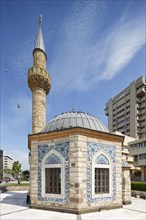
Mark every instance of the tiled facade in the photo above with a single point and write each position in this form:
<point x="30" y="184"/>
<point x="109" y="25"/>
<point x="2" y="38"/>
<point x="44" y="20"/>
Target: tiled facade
<point x="79" y="154"/>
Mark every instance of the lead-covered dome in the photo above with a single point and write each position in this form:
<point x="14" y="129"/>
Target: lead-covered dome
<point x="74" y="119"/>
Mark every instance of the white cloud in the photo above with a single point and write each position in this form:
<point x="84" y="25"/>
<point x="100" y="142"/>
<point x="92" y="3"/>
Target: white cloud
<point x="82" y="58"/>
<point x="125" y="42"/>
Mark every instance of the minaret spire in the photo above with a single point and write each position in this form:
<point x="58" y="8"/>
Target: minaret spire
<point x="40" y="42"/>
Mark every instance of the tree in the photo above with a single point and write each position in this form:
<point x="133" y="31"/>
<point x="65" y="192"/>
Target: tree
<point x="1" y="174"/>
<point x="5" y="174"/>
<point x="16" y="170"/>
<point x="25" y="174"/>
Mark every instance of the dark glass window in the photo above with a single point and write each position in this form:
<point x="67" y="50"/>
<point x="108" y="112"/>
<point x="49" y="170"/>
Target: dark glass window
<point x="53" y="180"/>
<point x="101" y="180"/>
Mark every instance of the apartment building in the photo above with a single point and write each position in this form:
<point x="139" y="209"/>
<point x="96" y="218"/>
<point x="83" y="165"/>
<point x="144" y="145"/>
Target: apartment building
<point x="127" y="111"/>
<point x="8" y="162"/>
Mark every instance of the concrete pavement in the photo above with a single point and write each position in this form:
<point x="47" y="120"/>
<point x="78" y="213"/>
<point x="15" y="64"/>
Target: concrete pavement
<point x="13" y="207"/>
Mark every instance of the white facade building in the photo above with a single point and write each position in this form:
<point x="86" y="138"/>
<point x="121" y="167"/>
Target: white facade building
<point x="8" y="162"/>
<point x="138" y="151"/>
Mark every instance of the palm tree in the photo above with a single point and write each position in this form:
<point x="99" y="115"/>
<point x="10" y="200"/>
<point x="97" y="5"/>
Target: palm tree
<point x="16" y="169"/>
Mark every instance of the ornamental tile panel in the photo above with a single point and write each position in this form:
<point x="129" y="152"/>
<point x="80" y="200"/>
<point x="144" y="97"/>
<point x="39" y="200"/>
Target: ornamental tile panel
<point x="63" y="149"/>
<point x="110" y="151"/>
<point x="101" y="159"/>
<point x="53" y="159"/>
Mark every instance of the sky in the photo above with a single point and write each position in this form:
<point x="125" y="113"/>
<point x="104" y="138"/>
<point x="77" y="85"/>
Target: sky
<point x="95" y="49"/>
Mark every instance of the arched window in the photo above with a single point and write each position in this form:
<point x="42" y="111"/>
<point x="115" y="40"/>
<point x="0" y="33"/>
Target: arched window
<point x="101" y="175"/>
<point x="52" y="175"/>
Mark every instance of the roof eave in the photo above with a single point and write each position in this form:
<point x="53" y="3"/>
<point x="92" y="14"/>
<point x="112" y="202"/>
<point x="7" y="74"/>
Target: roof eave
<point x="73" y="131"/>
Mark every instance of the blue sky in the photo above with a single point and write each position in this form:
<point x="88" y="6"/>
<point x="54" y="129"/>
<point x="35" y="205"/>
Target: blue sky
<point x="95" y="49"/>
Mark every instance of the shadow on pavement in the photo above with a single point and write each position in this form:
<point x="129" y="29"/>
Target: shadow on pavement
<point x="14" y="198"/>
<point x="134" y="210"/>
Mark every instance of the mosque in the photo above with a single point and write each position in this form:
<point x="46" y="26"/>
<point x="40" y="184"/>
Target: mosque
<point x="76" y="164"/>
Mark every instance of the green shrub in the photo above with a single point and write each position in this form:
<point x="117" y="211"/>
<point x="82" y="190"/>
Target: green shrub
<point x="138" y="186"/>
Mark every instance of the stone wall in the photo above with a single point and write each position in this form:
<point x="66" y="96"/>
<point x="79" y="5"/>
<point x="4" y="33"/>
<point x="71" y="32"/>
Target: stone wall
<point x="34" y="173"/>
<point x="126" y="185"/>
<point x="17" y="188"/>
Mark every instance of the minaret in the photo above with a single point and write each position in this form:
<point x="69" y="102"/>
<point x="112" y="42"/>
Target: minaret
<point x="39" y="83"/>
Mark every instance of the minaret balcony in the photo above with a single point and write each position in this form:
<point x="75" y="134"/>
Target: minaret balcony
<point x="38" y="78"/>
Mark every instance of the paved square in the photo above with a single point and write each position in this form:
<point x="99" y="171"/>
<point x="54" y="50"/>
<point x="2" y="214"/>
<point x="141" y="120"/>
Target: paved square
<point x="13" y="207"/>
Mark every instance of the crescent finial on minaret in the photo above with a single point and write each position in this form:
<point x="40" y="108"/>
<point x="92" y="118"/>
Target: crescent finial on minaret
<point x="40" y="20"/>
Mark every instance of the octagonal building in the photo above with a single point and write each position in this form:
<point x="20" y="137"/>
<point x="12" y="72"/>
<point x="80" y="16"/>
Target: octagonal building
<point x="75" y="162"/>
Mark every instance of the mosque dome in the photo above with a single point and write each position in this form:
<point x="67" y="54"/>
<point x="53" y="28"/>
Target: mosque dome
<point x="74" y="119"/>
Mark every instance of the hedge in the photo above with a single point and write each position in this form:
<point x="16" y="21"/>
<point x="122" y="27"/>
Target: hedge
<point x="138" y="186"/>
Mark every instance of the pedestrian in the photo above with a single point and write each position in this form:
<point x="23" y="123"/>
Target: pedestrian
<point x="28" y="198"/>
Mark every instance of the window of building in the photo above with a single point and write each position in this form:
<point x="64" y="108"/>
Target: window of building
<point x="142" y="156"/>
<point x="136" y="158"/>
<point x="128" y="101"/>
<point x="53" y="175"/>
<point x="53" y="180"/>
<point x="101" y="180"/>
<point x="101" y="175"/>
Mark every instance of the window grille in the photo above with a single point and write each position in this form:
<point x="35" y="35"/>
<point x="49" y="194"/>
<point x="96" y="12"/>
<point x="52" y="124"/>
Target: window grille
<point x="101" y="180"/>
<point x="53" y="180"/>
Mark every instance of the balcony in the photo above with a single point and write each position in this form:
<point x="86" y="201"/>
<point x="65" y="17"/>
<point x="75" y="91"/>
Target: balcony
<point x="130" y="159"/>
<point x="141" y="92"/>
<point x="139" y="163"/>
<point x="125" y="151"/>
<point x="137" y="150"/>
<point x="106" y="111"/>
<point x="142" y="111"/>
